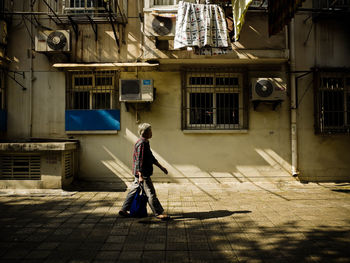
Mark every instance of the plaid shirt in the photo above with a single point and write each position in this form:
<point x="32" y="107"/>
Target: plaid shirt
<point x="143" y="158"/>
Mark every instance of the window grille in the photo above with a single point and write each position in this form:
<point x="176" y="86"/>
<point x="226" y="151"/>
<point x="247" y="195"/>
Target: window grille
<point x="92" y="90"/>
<point x="20" y="167"/>
<point x="332" y="102"/>
<point x="87" y="6"/>
<point x="2" y="91"/>
<point x="165" y="2"/>
<point x="254" y="3"/>
<point x="213" y="101"/>
<point x="331" y="4"/>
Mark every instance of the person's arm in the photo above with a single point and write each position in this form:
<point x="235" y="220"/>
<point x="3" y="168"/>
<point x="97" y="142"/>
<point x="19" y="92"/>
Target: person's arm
<point x="139" y="161"/>
<point x="155" y="162"/>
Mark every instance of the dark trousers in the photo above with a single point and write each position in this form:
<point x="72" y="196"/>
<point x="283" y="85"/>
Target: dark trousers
<point x="153" y="201"/>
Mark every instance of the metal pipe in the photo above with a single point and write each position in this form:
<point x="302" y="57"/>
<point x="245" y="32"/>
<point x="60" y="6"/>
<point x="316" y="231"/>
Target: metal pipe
<point x="31" y="76"/>
<point x="293" y="100"/>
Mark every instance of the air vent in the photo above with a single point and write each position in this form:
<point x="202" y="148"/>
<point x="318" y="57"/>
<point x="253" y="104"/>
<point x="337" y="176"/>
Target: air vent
<point x="20" y="167"/>
<point x="68" y="164"/>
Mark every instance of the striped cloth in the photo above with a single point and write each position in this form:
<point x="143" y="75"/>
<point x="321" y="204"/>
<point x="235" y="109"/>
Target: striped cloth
<point x="199" y="25"/>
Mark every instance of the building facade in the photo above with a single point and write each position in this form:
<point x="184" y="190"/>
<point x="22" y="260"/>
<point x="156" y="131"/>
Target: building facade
<point x="73" y="63"/>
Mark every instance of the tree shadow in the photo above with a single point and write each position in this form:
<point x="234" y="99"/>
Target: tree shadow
<point x="208" y="214"/>
<point x="347" y="191"/>
<point x="85" y="227"/>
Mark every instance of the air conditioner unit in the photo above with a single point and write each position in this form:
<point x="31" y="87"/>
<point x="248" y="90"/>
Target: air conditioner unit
<point x="52" y="41"/>
<point x="160" y="26"/>
<point x="268" y="89"/>
<point x="136" y="90"/>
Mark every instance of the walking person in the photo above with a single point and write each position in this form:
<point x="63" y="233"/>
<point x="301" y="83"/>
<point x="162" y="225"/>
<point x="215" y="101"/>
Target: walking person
<point x="143" y="161"/>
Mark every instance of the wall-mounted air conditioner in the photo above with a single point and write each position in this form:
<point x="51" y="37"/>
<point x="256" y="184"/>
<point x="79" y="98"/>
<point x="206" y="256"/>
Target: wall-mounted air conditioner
<point x="160" y="26"/>
<point x="52" y="41"/>
<point x="268" y="89"/>
<point x="136" y="90"/>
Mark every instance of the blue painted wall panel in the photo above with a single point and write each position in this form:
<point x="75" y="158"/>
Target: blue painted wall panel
<point x="3" y="120"/>
<point x="92" y="120"/>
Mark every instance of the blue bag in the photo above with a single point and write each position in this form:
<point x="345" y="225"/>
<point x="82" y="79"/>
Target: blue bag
<point x="139" y="204"/>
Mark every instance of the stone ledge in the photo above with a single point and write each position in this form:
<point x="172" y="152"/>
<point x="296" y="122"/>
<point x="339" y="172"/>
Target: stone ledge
<point x="37" y="146"/>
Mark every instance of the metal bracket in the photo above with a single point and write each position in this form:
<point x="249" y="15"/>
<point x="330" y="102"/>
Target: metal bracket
<point x="53" y="11"/>
<point x="14" y="78"/>
<point x="111" y="20"/>
<point x="274" y="103"/>
<point x="94" y="26"/>
<point x="114" y="32"/>
<point x="75" y="27"/>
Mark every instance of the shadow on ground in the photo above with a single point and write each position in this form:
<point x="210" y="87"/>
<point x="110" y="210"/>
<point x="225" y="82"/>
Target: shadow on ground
<point x="85" y="228"/>
<point x="96" y="186"/>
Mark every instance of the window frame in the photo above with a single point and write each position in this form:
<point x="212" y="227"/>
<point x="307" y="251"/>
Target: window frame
<point x="319" y="104"/>
<point x="93" y="88"/>
<point x="213" y="89"/>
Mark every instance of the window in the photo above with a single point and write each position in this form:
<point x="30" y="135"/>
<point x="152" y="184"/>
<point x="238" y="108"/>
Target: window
<point x="331" y="4"/>
<point x="255" y="3"/>
<point x="2" y="91"/>
<point x="92" y="90"/>
<point x="213" y="101"/>
<point x="332" y="102"/>
<point x="86" y="6"/>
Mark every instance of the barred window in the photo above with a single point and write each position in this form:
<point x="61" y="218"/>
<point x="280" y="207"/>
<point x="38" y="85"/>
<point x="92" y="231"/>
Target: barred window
<point x="254" y="3"/>
<point x="333" y="102"/>
<point x="331" y="4"/>
<point x="2" y="90"/>
<point x="92" y="90"/>
<point x="85" y="6"/>
<point x="213" y="101"/>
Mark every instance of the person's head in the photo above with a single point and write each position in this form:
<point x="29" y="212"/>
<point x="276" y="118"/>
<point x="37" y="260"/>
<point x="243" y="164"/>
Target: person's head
<point x="145" y="130"/>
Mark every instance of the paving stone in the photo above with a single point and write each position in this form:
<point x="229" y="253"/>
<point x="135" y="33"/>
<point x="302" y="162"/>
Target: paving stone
<point x="266" y="222"/>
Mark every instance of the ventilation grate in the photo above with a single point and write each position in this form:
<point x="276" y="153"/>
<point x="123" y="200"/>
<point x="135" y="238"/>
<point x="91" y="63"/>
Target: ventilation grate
<point x="68" y="164"/>
<point x="20" y="167"/>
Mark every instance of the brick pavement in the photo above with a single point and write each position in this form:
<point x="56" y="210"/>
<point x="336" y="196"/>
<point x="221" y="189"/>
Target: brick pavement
<point x="216" y="222"/>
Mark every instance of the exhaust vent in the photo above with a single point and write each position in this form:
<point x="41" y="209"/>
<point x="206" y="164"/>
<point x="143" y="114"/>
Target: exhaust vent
<point x="20" y="167"/>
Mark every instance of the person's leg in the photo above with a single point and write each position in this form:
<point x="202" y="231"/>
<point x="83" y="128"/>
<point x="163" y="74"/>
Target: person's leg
<point x="153" y="201"/>
<point x="130" y="197"/>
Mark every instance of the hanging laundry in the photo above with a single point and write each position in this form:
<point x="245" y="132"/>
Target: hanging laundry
<point x="199" y="25"/>
<point x="239" y="9"/>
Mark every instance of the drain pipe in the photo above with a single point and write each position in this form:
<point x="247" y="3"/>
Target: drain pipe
<point x="293" y="100"/>
<point x="31" y="75"/>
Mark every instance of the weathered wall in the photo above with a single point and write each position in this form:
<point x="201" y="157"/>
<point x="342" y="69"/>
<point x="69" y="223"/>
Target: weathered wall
<point x="261" y="153"/>
<point x="321" y="157"/>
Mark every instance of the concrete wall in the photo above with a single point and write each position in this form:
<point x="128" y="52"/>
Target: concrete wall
<point x="260" y="154"/>
<point x="321" y="157"/>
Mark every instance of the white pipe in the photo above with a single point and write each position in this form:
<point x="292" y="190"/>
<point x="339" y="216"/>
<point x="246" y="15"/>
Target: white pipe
<point x="31" y="76"/>
<point x="293" y="106"/>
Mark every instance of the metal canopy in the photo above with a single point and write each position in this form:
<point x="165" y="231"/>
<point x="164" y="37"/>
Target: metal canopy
<point x="102" y="65"/>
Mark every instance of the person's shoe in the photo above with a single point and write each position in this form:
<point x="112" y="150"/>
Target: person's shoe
<point x="124" y="213"/>
<point x="163" y="217"/>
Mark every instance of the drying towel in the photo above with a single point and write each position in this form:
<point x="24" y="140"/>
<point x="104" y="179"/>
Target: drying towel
<point x="199" y="25"/>
<point x="239" y="9"/>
